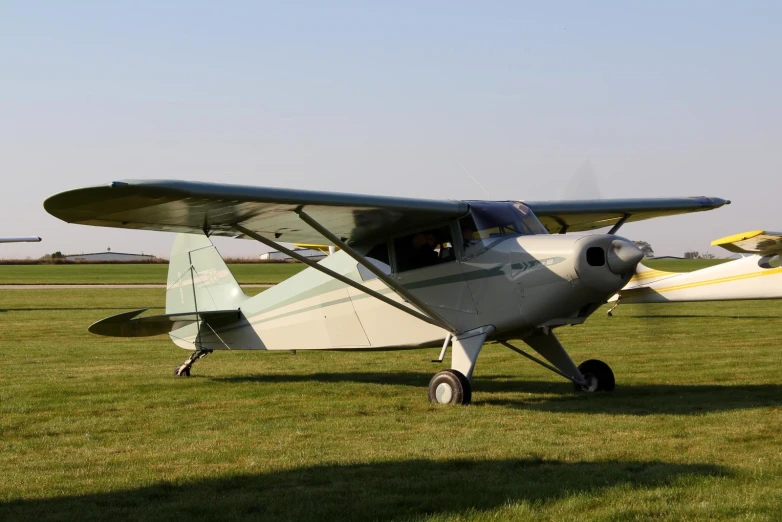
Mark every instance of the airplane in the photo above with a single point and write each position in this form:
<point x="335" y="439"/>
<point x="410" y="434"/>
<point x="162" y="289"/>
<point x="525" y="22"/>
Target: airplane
<point x="25" y="239"/>
<point x="758" y="275"/>
<point x="409" y="273"/>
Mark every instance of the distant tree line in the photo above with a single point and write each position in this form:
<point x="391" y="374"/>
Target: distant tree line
<point x="645" y="247"/>
<point x="648" y="251"/>
<point x="698" y="255"/>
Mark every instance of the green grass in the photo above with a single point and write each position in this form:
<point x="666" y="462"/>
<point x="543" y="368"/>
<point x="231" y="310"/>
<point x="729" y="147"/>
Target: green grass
<point x="245" y="273"/>
<point x="682" y="265"/>
<point x="97" y="428"/>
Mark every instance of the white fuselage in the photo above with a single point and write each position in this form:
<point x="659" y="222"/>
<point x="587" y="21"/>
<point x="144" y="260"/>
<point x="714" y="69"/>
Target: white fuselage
<point x="513" y="284"/>
<point x="746" y="278"/>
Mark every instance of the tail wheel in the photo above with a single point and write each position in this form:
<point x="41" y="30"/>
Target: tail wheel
<point x="598" y="375"/>
<point x="450" y="387"/>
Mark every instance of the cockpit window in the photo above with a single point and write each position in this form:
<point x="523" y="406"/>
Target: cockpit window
<point x="507" y="218"/>
<point x="771" y="261"/>
<point x="496" y="220"/>
<point x="422" y="249"/>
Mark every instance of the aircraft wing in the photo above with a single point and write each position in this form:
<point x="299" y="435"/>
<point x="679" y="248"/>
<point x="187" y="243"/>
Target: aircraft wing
<point x="191" y="207"/>
<point x="26" y="239"/>
<point x="578" y="216"/>
<point x="752" y="242"/>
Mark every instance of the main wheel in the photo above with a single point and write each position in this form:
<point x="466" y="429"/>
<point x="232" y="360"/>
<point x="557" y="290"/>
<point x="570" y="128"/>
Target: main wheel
<point x="598" y="375"/>
<point x="179" y="372"/>
<point x="450" y="387"/>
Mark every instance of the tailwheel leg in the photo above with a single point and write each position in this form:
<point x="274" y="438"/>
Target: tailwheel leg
<point x="183" y="370"/>
<point x="610" y="311"/>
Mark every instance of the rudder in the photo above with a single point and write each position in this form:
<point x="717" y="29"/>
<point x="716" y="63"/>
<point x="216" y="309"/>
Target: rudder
<point x="198" y="278"/>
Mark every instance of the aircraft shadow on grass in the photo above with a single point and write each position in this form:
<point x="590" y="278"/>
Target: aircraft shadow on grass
<point x="372" y="491"/>
<point x="629" y="399"/>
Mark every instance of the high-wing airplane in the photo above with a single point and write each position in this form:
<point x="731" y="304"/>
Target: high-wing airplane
<point x="756" y="276"/>
<point x="24" y="239"/>
<point x="409" y="273"/>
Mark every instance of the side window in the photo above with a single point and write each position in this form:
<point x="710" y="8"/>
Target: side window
<point x="771" y="261"/>
<point x="471" y="238"/>
<point x="425" y="248"/>
<point x="380" y="253"/>
<point x="378" y="256"/>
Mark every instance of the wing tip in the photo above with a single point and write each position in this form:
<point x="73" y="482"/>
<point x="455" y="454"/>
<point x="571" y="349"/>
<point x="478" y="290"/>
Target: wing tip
<point x="743" y="236"/>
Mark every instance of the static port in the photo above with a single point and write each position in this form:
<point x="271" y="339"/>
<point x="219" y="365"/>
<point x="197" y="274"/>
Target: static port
<point x="596" y="256"/>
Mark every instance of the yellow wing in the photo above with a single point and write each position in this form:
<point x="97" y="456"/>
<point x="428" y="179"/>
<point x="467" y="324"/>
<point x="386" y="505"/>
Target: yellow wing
<point x="752" y="242"/>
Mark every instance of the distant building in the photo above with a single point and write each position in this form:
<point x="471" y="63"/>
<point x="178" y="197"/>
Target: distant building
<point x="110" y="256"/>
<point x="309" y="253"/>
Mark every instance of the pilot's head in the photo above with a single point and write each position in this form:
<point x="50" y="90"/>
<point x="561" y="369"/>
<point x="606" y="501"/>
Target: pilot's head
<point x="424" y="239"/>
<point x="468" y="231"/>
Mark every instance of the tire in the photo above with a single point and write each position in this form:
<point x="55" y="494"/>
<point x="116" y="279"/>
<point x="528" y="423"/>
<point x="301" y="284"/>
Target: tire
<point x="600" y="371"/>
<point x="450" y="387"/>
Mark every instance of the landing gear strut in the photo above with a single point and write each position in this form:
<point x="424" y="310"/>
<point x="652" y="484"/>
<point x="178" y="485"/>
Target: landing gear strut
<point x="453" y="386"/>
<point x="183" y="370"/>
<point x="589" y="376"/>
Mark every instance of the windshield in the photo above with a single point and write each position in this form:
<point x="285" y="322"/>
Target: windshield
<point x="491" y="221"/>
<point x="499" y="219"/>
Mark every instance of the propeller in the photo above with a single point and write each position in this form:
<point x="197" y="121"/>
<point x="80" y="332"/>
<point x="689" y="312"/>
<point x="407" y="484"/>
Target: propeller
<point x="585" y="184"/>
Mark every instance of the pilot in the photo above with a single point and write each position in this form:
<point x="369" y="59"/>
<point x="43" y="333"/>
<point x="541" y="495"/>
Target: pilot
<point x="424" y="244"/>
<point x="468" y="233"/>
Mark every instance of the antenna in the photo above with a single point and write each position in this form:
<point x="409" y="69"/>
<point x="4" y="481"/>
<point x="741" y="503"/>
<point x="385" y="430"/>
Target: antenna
<point x="475" y="180"/>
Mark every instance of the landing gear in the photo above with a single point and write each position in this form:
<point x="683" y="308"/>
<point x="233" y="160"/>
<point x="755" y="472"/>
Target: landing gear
<point x="450" y="387"/>
<point x="183" y="370"/>
<point x="590" y="376"/>
<point x="453" y="386"/>
<point x="598" y="376"/>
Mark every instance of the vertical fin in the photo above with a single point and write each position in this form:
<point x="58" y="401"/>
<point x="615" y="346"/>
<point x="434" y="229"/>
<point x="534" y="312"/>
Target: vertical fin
<point x="198" y="278"/>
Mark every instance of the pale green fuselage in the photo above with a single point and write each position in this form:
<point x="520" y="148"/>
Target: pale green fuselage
<point x="514" y="284"/>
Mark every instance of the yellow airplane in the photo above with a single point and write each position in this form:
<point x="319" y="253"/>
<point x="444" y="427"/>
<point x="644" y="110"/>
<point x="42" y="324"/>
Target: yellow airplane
<point x="756" y="276"/>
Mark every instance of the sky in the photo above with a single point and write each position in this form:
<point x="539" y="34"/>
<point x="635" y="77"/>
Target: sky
<point x="535" y="100"/>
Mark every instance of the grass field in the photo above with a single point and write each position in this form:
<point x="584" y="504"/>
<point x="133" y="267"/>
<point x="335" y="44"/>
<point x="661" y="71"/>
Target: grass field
<point x="682" y="265"/>
<point x="245" y="273"/>
<point x="97" y="428"/>
<point x="122" y="273"/>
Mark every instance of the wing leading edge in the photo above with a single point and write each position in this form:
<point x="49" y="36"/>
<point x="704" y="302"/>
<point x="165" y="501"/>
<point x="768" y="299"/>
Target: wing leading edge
<point x="191" y="207"/>
<point x="579" y="216"/>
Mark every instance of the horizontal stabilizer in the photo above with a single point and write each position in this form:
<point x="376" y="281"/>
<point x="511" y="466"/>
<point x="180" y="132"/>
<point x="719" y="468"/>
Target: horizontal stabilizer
<point x="752" y="242"/>
<point x="128" y="324"/>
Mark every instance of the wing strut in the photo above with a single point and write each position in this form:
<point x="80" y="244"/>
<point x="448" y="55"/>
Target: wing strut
<point x="399" y="289"/>
<point x="342" y="278"/>
<point x="618" y="225"/>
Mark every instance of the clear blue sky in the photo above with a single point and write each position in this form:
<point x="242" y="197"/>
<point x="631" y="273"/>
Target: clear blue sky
<point x="660" y="98"/>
